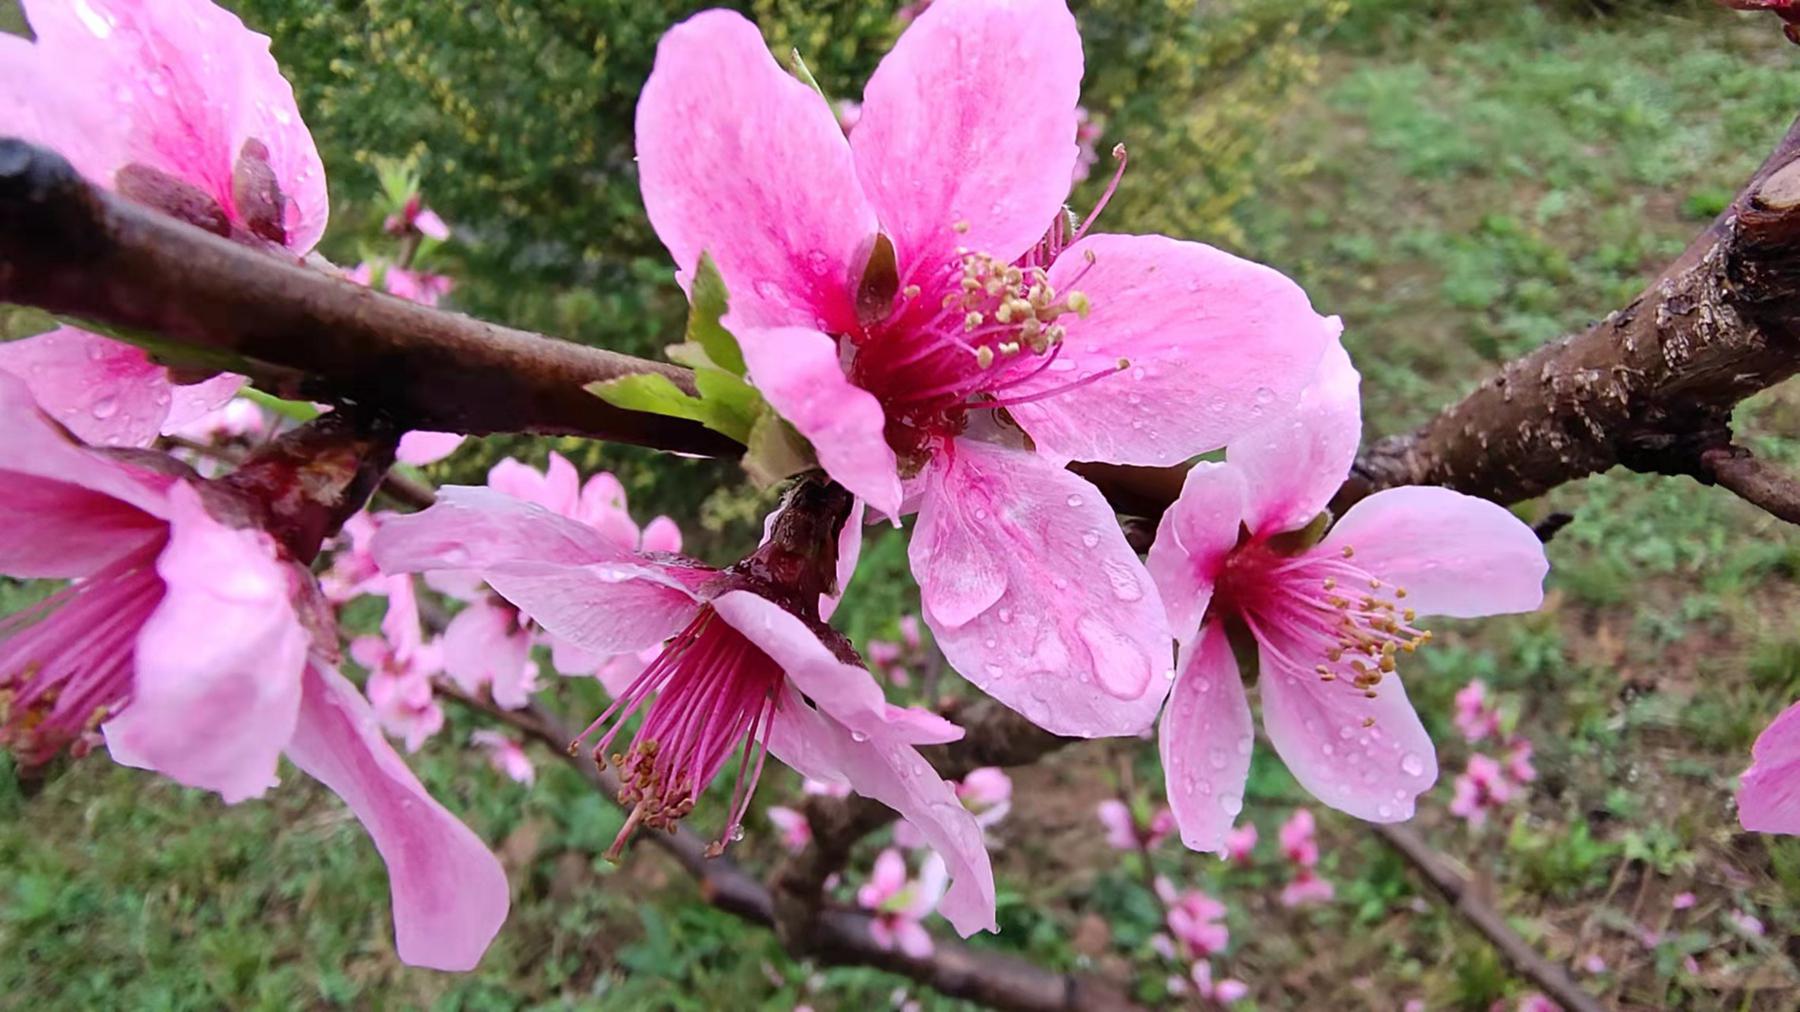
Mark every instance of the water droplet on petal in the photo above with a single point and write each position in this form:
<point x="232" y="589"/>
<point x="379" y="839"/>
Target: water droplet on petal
<point x="1411" y="764"/>
<point x="1231" y="804"/>
<point x="1264" y="395"/>
<point x="106" y="407"/>
<point x="1090" y="537"/>
<point x="1074" y="500"/>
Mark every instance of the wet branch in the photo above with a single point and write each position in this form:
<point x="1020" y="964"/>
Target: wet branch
<point x="837" y="936"/>
<point x="1738" y="471"/>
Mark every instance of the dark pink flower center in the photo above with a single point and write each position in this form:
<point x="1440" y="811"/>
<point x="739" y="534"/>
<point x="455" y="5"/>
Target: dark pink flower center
<point x="66" y="663"/>
<point x="964" y="333"/>
<point x="709" y="693"/>
<point x="1319" y="611"/>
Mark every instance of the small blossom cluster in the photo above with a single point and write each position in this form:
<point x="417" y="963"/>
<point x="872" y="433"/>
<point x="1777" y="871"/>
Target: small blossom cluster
<point x="1300" y="846"/>
<point x="1488" y="784"/>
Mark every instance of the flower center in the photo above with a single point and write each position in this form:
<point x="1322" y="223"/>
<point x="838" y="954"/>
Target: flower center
<point x="1341" y="621"/>
<point x="963" y="334"/>
<point x="712" y="689"/>
<point x="66" y="663"/>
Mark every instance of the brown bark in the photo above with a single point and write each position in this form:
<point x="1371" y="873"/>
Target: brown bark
<point x="71" y="248"/>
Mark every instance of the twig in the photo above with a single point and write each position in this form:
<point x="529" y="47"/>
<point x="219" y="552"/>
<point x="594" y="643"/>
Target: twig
<point x="841" y="936"/>
<point x="402" y="489"/>
<point x="1754" y="481"/>
<point x="1525" y="960"/>
<point x="69" y="247"/>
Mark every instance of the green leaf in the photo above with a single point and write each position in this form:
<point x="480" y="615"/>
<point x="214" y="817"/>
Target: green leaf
<point x="652" y="393"/>
<point x="775" y="451"/>
<point x="732" y="405"/>
<point x="805" y="74"/>
<point x="707" y="304"/>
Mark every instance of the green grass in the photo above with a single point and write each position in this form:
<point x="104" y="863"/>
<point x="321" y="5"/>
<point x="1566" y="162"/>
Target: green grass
<point x="1461" y="186"/>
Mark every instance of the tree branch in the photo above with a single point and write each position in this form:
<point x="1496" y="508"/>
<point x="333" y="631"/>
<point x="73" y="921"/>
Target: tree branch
<point x="1524" y="959"/>
<point x="840" y="936"/>
<point x="1754" y="481"/>
<point x="1651" y="387"/>
<point x="69" y="247"/>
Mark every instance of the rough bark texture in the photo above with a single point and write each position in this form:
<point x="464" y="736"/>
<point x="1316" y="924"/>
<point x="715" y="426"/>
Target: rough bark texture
<point x="71" y="248"/>
<point x="1651" y="387"/>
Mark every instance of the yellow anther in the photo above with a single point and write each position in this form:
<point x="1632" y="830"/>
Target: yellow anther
<point x="984" y="356"/>
<point x="1349" y="552"/>
<point x="962" y="227"/>
<point x="1079" y="302"/>
<point x="911" y="291"/>
<point x="973" y="320"/>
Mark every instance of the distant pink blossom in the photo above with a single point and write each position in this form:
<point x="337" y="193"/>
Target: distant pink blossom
<point x="420" y="448"/>
<point x="1224" y="992"/>
<point x="172" y="104"/>
<point x="1124" y="832"/>
<point x="1240" y="843"/>
<point x="1535" y="1002"/>
<point x="1088" y="130"/>
<point x="506" y="755"/>
<point x="795" y="831"/>
<point x="1747" y="923"/>
<point x="235" y="419"/>
<point x="1298" y="842"/>
<point x="1194" y="919"/>
<point x="824" y="788"/>
<point x="401" y="664"/>
<point x="1331" y="620"/>
<point x="985" y="792"/>
<point x="414" y="216"/>
<point x="353" y="572"/>
<point x="1481" y="788"/>
<point x="1476" y="717"/>
<point x="1518" y="761"/>
<point x="920" y="279"/>
<point x="487" y="648"/>
<point x="900" y="904"/>
<point x="185" y="640"/>
<point x="760" y="674"/>
<point x="1683" y="901"/>
<point x="1307" y="888"/>
<point x="1594" y="963"/>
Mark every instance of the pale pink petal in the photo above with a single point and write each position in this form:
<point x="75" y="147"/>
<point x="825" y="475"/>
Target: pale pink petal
<point x="798" y="372"/>
<point x="845" y="692"/>
<point x="1454" y="554"/>
<point x="739" y="160"/>
<point x="850" y="539"/>
<point x="606" y="609"/>
<point x="1294" y="463"/>
<point x="476" y="528"/>
<point x="1121" y="828"/>
<point x="971" y="119"/>
<point x="1214" y="345"/>
<point x="219" y="663"/>
<point x="602" y="507"/>
<point x="450" y="894"/>
<point x="1769" y="794"/>
<point x="1193" y="540"/>
<point x="928" y="888"/>
<point x="485" y="648"/>
<point x="885" y="879"/>
<point x="187" y="85"/>
<point x="431" y="225"/>
<point x="1033" y="594"/>
<point x="897" y="776"/>
<point x="1367" y="757"/>
<point x="191" y="402"/>
<point x="912" y="938"/>
<point x="661" y="535"/>
<point x="1205" y="743"/>
<point x="419" y="448"/>
<point x="107" y="392"/>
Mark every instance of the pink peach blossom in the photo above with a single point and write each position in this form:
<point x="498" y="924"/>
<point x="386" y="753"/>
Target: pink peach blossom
<point x="1240" y="843"/>
<point x="420" y="448"/>
<point x="1298" y="842"/>
<point x="1481" y="788"/>
<point x="414" y="216"/>
<point x="895" y="290"/>
<point x="1124" y="832"/>
<point x="741" y="673"/>
<point x="985" y="792"/>
<point x="791" y="823"/>
<point x="175" y="104"/>
<point x="1307" y="888"/>
<point x="901" y="904"/>
<point x="1682" y="901"/>
<point x="506" y="755"/>
<point x="182" y="639"/>
<point x="1476" y="717"/>
<point x="1194" y="919"/>
<point x="1768" y="795"/>
<point x="1329" y="620"/>
<point x="1518" y="760"/>
<point x="488" y="648"/>
<point x="1224" y="992"/>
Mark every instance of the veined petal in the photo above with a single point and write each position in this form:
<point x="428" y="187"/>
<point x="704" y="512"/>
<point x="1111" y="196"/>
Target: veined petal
<point x="107" y="392"/>
<point x="1033" y="594"/>
<point x="892" y="773"/>
<point x="1205" y="743"/>
<point x="190" y="402"/>
<point x="188" y="86"/>
<point x="1769" y="795"/>
<point x="1215" y="345"/>
<point x="476" y="528"/>
<point x="1294" y="464"/>
<point x="1192" y="541"/>
<point x="449" y="892"/>
<point x="970" y="121"/>
<point x="845" y="692"/>
<point x="741" y="161"/>
<point x="1455" y="554"/>
<point x="1368" y="757"/>
<point x="798" y="372"/>
<point x="219" y="663"/>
